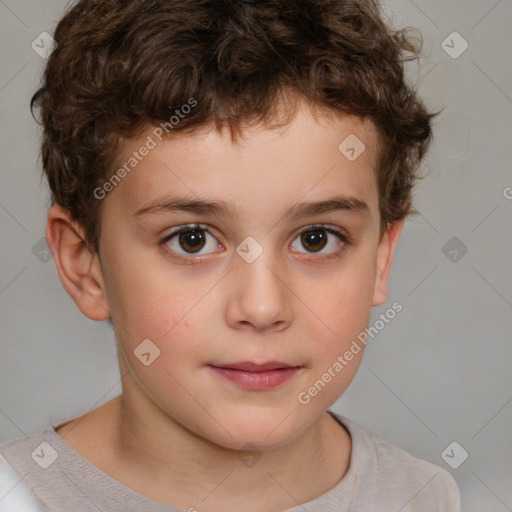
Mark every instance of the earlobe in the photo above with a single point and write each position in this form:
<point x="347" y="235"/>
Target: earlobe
<point x="77" y="265"/>
<point x="386" y="251"/>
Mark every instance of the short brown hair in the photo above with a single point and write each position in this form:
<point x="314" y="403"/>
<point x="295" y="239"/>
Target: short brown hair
<point x="121" y="66"/>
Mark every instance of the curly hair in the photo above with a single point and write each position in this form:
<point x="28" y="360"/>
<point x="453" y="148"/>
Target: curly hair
<point x="121" y="66"/>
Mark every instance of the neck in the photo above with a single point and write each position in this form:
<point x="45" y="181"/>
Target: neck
<point x="208" y="476"/>
<point x="137" y="443"/>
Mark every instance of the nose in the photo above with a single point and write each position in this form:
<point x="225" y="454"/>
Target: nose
<point x="259" y="296"/>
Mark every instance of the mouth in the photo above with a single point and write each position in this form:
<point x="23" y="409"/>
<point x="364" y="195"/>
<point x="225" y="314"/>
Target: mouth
<point x="254" y="376"/>
<point x="249" y="366"/>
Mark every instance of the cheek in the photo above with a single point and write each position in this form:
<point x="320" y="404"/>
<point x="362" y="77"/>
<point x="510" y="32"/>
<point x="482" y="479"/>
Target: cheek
<point x="173" y="313"/>
<point x="343" y="305"/>
<point x="344" y="302"/>
<point x="337" y="354"/>
<point x="145" y="296"/>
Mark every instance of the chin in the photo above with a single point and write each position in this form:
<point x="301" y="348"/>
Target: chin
<point x="267" y="430"/>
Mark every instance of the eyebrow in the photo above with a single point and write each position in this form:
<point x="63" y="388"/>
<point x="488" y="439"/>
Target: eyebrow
<point x="222" y="208"/>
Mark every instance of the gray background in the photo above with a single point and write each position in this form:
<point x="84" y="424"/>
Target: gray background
<point x="439" y="372"/>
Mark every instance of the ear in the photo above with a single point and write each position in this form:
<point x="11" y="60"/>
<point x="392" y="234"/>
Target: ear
<point x="78" y="266"/>
<point x="385" y="253"/>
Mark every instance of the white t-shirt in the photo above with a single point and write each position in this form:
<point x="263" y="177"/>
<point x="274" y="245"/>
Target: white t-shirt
<point x="381" y="477"/>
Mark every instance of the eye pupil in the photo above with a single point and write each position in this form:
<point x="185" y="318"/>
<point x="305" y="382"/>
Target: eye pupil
<point x="309" y="240"/>
<point x="192" y="240"/>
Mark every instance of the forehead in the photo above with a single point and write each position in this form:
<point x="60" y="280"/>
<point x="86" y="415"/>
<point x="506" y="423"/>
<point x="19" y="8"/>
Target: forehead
<point x="266" y="169"/>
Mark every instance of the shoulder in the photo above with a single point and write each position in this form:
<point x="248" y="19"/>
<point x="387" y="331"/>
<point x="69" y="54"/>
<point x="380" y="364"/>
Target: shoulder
<point x="15" y="494"/>
<point x="405" y="480"/>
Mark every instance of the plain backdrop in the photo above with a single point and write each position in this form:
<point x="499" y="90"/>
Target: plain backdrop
<point x="438" y="373"/>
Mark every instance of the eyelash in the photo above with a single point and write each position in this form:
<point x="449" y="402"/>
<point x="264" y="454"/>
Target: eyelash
<point x="346" y="241"/>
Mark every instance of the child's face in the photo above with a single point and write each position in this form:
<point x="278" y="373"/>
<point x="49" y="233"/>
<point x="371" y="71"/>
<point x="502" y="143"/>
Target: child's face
<point x="204" y="304"/>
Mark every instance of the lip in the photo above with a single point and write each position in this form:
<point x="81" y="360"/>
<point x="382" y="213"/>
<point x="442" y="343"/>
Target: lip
<point x="256" y="376"/>
<point x="249" y="366"/>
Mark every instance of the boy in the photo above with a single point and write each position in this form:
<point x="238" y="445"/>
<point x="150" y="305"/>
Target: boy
<point x="229" y="182"/>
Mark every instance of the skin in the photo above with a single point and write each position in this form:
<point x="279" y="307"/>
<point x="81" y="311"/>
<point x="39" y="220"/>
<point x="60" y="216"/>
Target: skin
<point x="178" y="421"/>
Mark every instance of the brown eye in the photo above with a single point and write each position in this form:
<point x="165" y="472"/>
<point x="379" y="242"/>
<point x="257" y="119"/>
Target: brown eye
<point x="322" y="240"/>
<point x="190" y="240"/>
<point x="314" y="240"/>
<point x="193" y="240"/>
